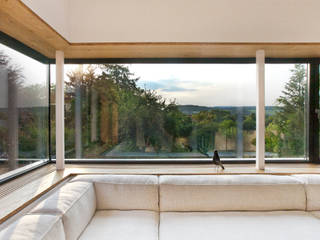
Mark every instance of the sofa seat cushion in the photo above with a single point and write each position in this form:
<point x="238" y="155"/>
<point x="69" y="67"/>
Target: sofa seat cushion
<point x="312" y="188"/>
<point x="231" y="193"/>
<point x="121" y="225"/>
<point x="75" y="203"/>
<point x="124" y="192"/>
<point x="315" y="214"/>
<point x="37" y="227"/>
<point x="239" y="225"/>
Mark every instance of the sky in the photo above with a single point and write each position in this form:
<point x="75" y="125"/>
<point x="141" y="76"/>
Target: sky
<point x="33" y="73"/>
<point x="209" y="84"/>
<point x="196" y="84"/>
<point x="212" y="84"/>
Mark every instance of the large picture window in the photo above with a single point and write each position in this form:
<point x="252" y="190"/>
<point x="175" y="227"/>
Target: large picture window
<point x="156" y="111"/>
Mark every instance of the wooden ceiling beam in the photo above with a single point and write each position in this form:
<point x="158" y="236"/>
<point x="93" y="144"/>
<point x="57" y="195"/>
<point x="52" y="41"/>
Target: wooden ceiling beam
<point x="21" y="23"/>
<point x="14" y="29"/>
<point x="191" y="50"/>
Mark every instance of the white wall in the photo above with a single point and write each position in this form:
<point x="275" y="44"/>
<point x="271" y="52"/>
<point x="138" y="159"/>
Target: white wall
<point x="185" y="20"/>
<point x="54" y="12"/>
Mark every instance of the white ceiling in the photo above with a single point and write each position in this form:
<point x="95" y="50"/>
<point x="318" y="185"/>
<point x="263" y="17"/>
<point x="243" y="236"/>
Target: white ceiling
<point x="182" y="20"/>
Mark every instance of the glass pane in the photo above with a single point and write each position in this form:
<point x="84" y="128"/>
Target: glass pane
<point x="23" y="110"/>
<point x="286" y="110"/>
<point x="155" y="111"/>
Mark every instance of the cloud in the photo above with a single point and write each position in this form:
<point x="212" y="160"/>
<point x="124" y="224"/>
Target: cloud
<point x="166" y="85"/>
<point x="177" y="89"/>
<point x="212" y="84"/>
<point x="154" y="85"/>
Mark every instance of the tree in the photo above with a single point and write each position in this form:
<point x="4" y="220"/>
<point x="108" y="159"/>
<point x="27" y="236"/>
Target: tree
<point x="78" y="91"/>
<point x="289" y="119"/>
<point x="249" y="123"/>
<point x="206" y="125"/>
<point x="136" y="115"/>
<point x="228" y="127"/>
<point x="176" y="123"/>
<point x="14" y="81"/>
<point x="272" y="139"/>
<point x="105" y="92"/>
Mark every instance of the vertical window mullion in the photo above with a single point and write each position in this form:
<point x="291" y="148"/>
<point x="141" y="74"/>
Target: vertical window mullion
<point x="313" y="132"/>
<point x="60" y="110"/>
<point x="260" y="110"/>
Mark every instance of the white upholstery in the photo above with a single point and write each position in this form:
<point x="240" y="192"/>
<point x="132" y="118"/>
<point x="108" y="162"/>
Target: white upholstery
<point x="315" y="214"/>
<point x="191" y="207"/>
<point x="124" y="192"/>
<point x="37" y="227"/>
<point x="231" y="193"/>
<point x="75" y="203"/>
<point x="312" y="188"/>
<point x="122" y="225"/>
<point x="239" y="226"/>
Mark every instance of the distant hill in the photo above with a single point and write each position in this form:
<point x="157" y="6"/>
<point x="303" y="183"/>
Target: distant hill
<point x="193" y="109"/>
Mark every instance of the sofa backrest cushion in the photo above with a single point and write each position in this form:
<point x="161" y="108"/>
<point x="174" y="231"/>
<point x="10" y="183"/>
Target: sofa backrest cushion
<point x="41" y="227"/>
<point x="231" y="193"/>
<point x="312" y="188"/>
<point x="124" y="192"/>
<point x="75" y="203"/>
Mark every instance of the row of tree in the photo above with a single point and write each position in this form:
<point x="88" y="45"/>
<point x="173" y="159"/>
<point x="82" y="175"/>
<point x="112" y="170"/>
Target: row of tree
<point x="126" y="118"/>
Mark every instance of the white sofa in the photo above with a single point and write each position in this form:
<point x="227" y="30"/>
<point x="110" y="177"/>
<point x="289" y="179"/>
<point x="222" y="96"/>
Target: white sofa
<point x="147" y="207"/>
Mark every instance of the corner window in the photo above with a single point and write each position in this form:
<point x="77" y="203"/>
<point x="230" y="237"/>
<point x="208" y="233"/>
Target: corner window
<point x="24" y="110"/>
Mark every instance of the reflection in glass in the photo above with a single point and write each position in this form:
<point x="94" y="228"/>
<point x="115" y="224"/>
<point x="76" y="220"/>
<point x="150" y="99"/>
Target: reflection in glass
<point x="23" y="110"/>
<point x="159" y="110"/>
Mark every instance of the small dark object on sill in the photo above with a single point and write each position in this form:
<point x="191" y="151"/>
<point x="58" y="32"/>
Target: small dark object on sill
<point x="216" y="159"/>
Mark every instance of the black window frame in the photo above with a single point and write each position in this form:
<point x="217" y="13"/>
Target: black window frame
<point x="312" y="137"/>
